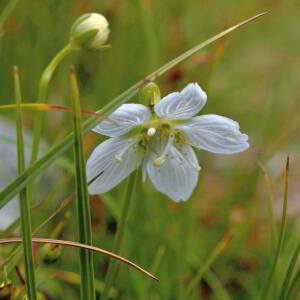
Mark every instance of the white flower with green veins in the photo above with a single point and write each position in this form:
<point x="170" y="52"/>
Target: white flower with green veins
<point x="160" y="139"/>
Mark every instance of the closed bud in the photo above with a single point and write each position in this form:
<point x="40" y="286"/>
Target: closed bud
<point x="90" y="31"/>
<point x="149" y="94"/>
<point x="50" y="253"/>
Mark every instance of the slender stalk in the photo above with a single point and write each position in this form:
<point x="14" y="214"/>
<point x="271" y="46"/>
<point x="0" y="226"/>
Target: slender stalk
<point x="119" y="235"/>
<point x="43" y="88"/>
<point x="281" y="233"/>
<point x="83" y="213"/>
<point x="24" y="203"/>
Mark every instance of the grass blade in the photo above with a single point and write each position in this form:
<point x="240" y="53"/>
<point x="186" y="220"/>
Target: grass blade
<point x="24" y="203"/>
<point x="208" y="262"/>
<point x="288" y="276"/>
<point x="217" y="287"/>
<point x="79" y="245"/>
<point x="295" y="288"/>
<point x="270" y="205"/>
<point x="270" y="278"/>
<point x="83" y="213"/>
<point x="13" y="188"/>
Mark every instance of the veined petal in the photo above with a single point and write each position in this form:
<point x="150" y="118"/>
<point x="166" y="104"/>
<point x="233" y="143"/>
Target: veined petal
<point x="177" y="176"/>
<point x="126" y="117"/>
<point x="183" y="105"/>
<point x="111" y="162"/>
<point x="215" y="133"/>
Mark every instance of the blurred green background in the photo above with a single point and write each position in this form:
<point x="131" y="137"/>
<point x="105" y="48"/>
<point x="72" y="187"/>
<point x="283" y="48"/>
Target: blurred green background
<point x="251" y="76"/>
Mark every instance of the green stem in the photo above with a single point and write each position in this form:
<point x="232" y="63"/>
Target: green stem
<point x="43" y="88"/>
<point x="270" y="278"/>
<point x="83" y="213"/>
<point x="24" y="203"/>
<point x="119" y="235"/>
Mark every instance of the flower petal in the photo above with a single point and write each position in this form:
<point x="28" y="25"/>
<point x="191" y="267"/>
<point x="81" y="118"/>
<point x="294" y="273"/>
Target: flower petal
<point x="215" y="133"/>
<point x="177" y="176"/>
<point x="112" y="161"/>
<point x="126" y="117"/>
<point x="9" y="213"/>
<point x="183" y="105"/>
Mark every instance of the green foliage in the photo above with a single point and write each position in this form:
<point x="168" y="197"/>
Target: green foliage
<point x="251" y="75"/>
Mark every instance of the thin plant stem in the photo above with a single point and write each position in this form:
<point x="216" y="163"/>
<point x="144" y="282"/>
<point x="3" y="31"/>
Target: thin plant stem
<point x="120" y="234"/>
<point x="24" y="203"/>
<point x="83" y="213"/>
<point x="42" y="96"/>
<point x="270" y="278"/>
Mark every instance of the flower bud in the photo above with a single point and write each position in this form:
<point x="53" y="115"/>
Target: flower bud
<point x="50" y="253"/>
<point x="150" y="94"/>
<point x="89" y="31"/>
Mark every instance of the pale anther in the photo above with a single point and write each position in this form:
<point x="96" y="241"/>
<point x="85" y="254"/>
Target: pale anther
<point x="160" y="160"/>
<point x="151" y="131"/>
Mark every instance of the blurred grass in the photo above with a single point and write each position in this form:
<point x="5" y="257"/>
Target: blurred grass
<point x="251" y="76"/>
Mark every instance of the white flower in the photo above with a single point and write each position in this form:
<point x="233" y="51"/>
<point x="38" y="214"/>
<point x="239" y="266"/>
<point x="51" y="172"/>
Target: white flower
<point x="161" y="142"/>
<point x="8" y="170"/>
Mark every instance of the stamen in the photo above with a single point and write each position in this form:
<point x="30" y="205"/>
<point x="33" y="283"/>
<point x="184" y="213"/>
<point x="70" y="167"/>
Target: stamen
<point x="120" y="156"/>
<point x="151" y="131"/>
<point x="160" y="160"/>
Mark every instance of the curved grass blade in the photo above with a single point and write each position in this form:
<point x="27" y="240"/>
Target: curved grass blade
<point x="24" y="201"/>
<point x="83" y="212"/>
<point x="79" y="245"/>
<point x="56" y="151"/>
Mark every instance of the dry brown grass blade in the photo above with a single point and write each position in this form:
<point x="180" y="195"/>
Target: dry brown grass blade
<point x="78" y="245"/>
